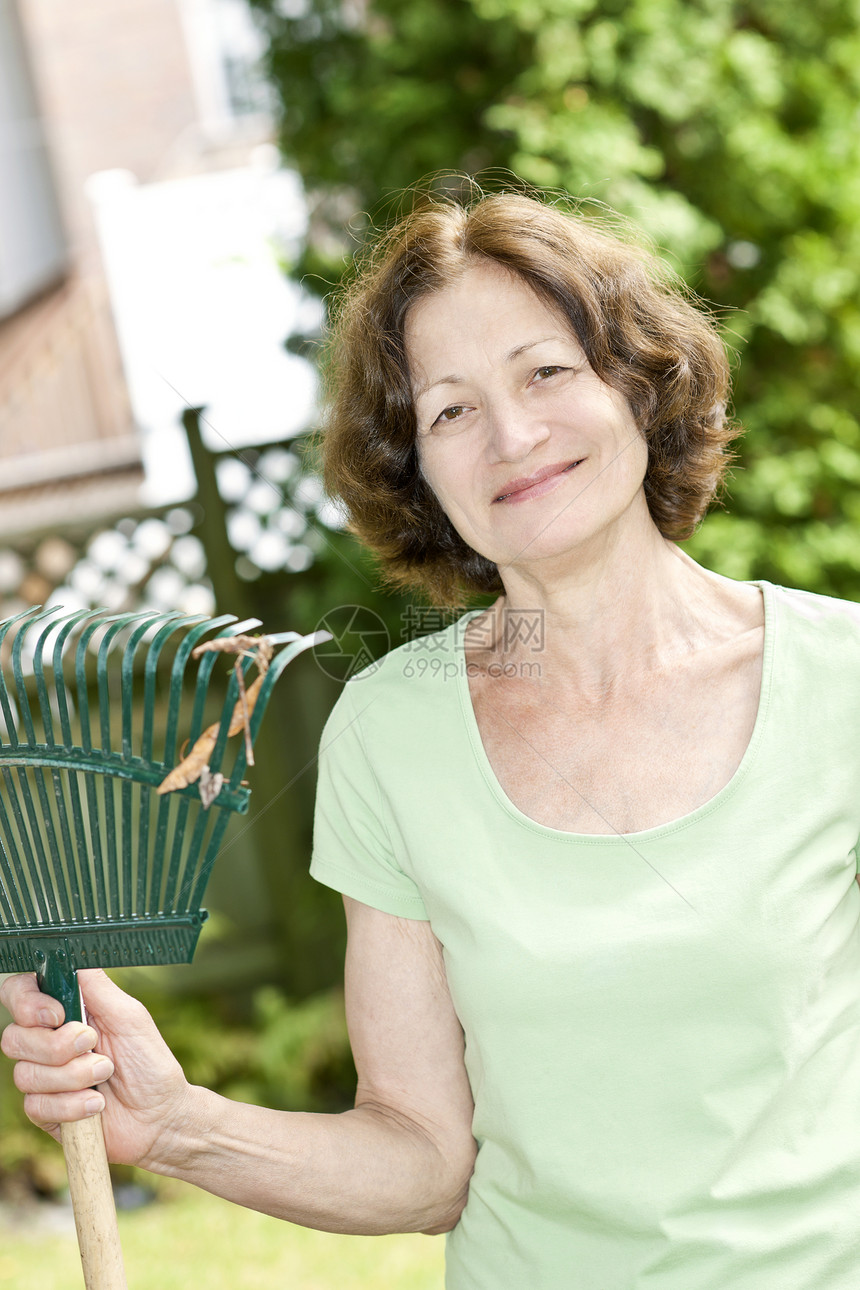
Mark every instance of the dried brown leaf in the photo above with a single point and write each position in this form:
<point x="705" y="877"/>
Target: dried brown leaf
<point x="237" y="720"/>
<point x="259" y="648"/>
<point x="192" y="767"/>
<point x="189" y="769"/>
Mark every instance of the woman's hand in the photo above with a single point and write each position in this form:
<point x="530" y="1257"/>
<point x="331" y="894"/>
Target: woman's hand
<point x="140" y="1085"/>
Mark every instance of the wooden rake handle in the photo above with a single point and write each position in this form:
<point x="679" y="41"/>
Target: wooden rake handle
<point x="92" y="1201"/>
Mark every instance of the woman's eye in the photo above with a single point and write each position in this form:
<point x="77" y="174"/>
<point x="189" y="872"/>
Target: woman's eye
<point x="450" y="414"/>
<point x="550" y="370"/>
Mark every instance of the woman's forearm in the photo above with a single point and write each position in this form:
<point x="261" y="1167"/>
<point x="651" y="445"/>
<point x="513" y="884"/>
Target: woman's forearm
<point x="366" y="1171"/>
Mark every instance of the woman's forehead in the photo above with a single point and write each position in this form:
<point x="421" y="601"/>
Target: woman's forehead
<point x="488" y="308"/>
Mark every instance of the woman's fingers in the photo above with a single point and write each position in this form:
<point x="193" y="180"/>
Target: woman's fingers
<point x="21" y="996"/>
<point x="48" y="1047"/>
<point x="49" y="1111"/>
<point x="82" y="1073"/>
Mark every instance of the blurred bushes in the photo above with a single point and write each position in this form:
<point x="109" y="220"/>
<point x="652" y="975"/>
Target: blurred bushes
<point x="286" y="1055"/>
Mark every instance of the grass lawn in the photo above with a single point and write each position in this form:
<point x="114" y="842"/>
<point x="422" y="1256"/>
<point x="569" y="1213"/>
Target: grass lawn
<point x="190" y="1239"/>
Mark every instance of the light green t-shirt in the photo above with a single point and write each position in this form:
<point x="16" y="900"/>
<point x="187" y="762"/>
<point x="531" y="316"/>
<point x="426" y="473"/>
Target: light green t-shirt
<point x="662" y="1028"/>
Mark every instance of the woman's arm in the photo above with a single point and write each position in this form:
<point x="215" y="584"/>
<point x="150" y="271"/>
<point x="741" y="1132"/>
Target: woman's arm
<point x="399" y="1161"/>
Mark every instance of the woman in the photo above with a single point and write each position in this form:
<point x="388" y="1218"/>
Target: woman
<point x="597" y="844"/>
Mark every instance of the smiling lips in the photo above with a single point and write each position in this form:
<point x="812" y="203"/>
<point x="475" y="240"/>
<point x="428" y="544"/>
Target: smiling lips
<point x="542" y="481"/>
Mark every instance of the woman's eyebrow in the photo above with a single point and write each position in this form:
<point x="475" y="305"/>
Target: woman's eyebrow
<point x="431" y="385"/>
<point x="453" y="379"/>
<point x="521" y="349"/>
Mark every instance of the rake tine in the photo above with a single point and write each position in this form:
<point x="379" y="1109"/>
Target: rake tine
<point x="204" y="671"/>
<point x="230" y="700"/>
<point x="95" y="855"/>
<point x="276" y="667"/>
<point x="105" y="647"/>
<point x="191" y="881"/>
<point x="128" y="795"/>
<point x="65" y="857"/>
<point x="78" y="886"/>
<point x="175" y="879"/>
<point x="101" y="834"/>
<point x="127" y="677"/>
<point x="279" y="662"/>
<point x="6" y="623"/>
<point x="10" y="915"/>
<point x="112" y="841"/>
<point x="12" y="851"/>
<point x="170" y="624"/>
<point x="155" y="648"/>
<point x="215" y="839"/>
<point x="96" y="621"/>
<point x="11" y="728"/>
<point x="35" y="892"/>
<point x="130" y="791"/>
<point x="84" y="889"/>
<point x="41" y="686"/>
<point x="59" y="673"/>
<point x="178" y="673"/>
<point x="39" y="836"/>
<point x="166" y="810"/>
<point x="18" y="670"/>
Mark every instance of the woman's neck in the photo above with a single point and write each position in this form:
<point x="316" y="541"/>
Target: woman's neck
<point x="630" y="613"/>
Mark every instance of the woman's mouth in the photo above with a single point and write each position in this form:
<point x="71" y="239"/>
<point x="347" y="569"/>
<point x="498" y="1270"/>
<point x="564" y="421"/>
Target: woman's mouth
<point x="536" y="485"/>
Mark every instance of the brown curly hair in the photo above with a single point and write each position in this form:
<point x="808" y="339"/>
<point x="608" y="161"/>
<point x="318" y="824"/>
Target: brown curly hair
<point x="634" y="321"/>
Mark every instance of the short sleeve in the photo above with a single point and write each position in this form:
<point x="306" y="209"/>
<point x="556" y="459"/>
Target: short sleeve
<point x="352" y="849"/>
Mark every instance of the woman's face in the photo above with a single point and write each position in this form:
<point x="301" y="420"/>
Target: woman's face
<point x="530" y="454"/>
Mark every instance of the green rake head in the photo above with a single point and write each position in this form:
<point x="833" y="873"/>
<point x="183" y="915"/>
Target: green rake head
<point x="96" y="868"/>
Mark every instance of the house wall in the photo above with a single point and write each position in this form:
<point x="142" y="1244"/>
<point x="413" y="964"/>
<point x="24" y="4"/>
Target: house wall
<point x="116" y="89"/>
<point x="32" y="241"/>
<point x="128" y="85"/>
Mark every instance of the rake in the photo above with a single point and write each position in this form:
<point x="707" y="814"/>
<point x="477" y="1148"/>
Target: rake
<point x="97" y="868"/>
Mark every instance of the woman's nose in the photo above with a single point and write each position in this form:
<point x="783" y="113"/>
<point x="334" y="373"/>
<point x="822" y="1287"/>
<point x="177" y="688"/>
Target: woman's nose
<point x="513" y="430"/>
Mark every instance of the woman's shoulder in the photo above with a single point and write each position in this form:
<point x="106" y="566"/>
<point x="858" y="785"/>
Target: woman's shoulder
<point x="427" y="656"/>
<point x="417" y="681"/>
<point x="818" y="634"/>
<point x="821" y="613"/>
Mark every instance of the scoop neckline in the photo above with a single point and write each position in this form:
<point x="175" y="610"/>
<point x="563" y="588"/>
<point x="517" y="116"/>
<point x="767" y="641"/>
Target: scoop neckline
<point x="671" y="826"/>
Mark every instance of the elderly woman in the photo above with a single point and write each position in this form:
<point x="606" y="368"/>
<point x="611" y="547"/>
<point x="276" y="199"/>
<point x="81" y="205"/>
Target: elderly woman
<point x="597" y="843"/>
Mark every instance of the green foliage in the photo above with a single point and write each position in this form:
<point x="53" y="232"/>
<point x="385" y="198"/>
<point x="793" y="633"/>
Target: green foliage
<point x="391" y="89"/>
<point x="289" y="1055"/>
<point x="726" y="128"/>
